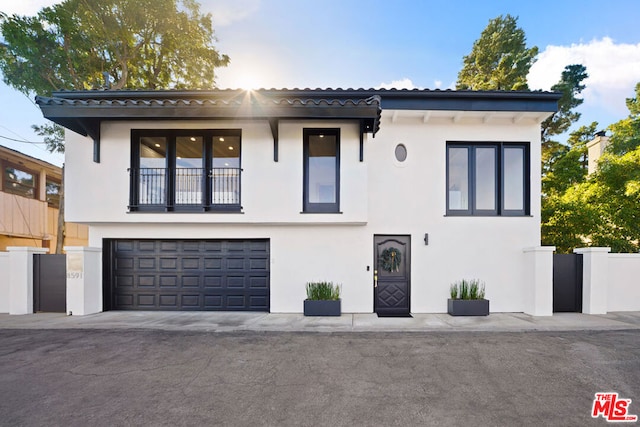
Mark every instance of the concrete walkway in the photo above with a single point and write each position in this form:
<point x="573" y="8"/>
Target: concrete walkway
<point x="369" y="322"/>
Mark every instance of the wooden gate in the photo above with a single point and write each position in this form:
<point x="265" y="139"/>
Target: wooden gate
<point x="567" y="283"/>
<point x="50" y="283"/>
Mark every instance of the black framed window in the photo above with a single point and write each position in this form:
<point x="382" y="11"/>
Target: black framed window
<point x="321" y="152"/>
<point x="488" y="178"/>
<point x="185" y="170"/>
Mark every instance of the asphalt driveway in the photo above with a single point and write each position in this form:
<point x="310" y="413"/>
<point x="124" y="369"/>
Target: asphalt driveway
<point x="137" y="378"/>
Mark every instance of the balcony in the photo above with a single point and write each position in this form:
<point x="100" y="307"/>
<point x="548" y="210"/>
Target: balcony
<point x="185" y="189"/>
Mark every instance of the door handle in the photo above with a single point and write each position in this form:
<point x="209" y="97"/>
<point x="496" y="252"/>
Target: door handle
<point x="375" y="278"/>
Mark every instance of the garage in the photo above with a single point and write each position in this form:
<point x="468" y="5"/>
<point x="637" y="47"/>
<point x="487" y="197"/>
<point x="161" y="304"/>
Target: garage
<point x="189" y="275"/>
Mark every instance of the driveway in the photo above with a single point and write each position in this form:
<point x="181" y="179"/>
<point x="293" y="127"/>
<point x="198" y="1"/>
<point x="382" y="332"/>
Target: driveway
<point x="152" y="377"/>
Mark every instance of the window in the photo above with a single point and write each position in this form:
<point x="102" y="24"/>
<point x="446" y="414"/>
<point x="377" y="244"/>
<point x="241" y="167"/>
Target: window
<point x="53" y="193"/>
<point x="321" y="170"/>
<point x="19" y="181"/>
<point x="401" y="153"/>
<point x="185" y="170"/>
<point x="488" y="178"/>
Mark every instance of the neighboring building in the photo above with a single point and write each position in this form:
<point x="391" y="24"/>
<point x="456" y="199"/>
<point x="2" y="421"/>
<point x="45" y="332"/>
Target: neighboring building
<point x="29" y="202"/>
<point x="233" y="199"/>
<point x="595" y="149"/>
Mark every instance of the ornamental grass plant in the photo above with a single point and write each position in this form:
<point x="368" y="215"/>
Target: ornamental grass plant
<point x="465" y="289"/>
<point x="317" y="291"/>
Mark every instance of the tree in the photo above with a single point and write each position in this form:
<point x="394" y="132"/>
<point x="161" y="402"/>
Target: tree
<point x="151" y="44"/>
<point x="107" y="44"/>
<point x="604" y="208"/>
<point x="570" y="85"/>
<point x="499" y="59"/>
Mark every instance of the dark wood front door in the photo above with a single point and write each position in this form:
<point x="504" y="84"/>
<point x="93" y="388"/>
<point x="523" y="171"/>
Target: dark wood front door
<point x="392" y="275"/>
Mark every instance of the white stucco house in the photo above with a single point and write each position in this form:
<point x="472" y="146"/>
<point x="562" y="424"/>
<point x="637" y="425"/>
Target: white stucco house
<point x="233" y="199"/>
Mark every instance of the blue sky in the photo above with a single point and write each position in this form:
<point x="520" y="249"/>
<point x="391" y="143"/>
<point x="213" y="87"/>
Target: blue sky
<point x="374" y="43"/>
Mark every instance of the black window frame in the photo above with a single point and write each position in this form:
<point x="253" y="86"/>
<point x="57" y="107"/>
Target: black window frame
<point x="499" y="209"/>
<point x="171" y="135"/>
<point x="309" y="207"/>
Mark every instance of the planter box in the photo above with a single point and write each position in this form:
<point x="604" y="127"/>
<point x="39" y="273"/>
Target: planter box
<point x="321" y="307"/>
<point x="468" y="307"/>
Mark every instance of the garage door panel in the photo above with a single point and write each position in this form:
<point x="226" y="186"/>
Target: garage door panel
<point x="144" y="246"/>
<point x="124" y="246"/>
<point x="191" y="264"/>
<point x="168" y="300"/>
<point x="234" y="263"/>
<point x="176" y="275"/>
<point x="213" y="263"/>
<point x="258" y="264"/>
<point x="213" y="281"/>
<point x="168" y="263"/>
<point x="124" y="263"/>
<point x="146" y="300"/>
<point x="190" y="281"/>
<point x="257" y="282"/>
<point x="147" y="263"/>
<point x="147" y="281"/>
<point x="124" y="281"/>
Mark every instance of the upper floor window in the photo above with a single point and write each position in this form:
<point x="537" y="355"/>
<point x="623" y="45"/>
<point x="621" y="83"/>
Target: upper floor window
<point x="488" y="178"/>
<point x="53" y="193"/>
<point x="185" y="170"/>
<point x="19" y="181"/>
<point x="321" y="153"/>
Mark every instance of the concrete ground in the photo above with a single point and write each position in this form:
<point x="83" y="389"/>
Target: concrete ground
<point x="146" y="368"/>
<point x="276" y="322"/>
<point x="152" y="377"/>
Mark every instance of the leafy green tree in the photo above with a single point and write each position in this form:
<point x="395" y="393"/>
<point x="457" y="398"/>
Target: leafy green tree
<point x="499" y="59"/>
<point x="571" y="166"/>
<point x="570" y="85"/>
<point x="107" y="44"/>
<point x="151" y="44"/>
<point x="604" y="208"/>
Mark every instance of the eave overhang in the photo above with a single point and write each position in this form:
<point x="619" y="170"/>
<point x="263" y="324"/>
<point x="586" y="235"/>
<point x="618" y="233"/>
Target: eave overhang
<point x="83" y="111"/>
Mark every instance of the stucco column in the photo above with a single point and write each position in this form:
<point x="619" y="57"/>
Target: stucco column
<point x="595" y="272"/>
<point x="21" y="278"/>
<point x="539" y="280"/>
<point x="84" y="280"/>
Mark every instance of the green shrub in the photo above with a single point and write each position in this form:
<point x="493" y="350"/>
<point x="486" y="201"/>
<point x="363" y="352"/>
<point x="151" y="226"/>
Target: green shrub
<point x="467" y="289"/>
<point x="323" y="291"/>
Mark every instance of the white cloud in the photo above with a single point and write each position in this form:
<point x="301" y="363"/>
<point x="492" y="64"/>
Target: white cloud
<point x="26" y="7"/>
<point x="614" y="70"/>
<point x="437" y="84"/>
<point x="404" y="83"/>
<point x="226" y="12"/>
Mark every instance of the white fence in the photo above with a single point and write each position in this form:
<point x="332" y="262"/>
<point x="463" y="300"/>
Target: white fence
<point x="623" y="284"/>
<point x="4" y="282"/>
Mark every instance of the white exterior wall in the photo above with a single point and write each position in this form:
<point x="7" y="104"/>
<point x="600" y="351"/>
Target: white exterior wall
<point x="4" y="282"/>
<point x="377" y="196"/>
<point x="623" y="290"/>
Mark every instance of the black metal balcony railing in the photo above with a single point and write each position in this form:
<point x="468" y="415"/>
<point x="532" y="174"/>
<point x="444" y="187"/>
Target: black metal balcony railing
<point x="182" y="187"/>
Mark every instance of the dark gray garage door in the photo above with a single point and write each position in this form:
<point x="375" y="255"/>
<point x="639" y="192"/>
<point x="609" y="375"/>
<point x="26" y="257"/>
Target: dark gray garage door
<point x="188" y="275"/>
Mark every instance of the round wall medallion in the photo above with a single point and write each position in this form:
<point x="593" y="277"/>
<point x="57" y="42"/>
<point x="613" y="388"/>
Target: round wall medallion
<point x="401" y="153"/>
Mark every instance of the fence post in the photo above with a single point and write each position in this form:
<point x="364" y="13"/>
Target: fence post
<point x="21" y="278"/>
<point x="595" y="271"/>
<point x="84" y="280"/>
<point x="539" y="280"/>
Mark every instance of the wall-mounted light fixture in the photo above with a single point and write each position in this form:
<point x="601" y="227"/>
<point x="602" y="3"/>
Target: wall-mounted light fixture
<point x="426" y="239"/>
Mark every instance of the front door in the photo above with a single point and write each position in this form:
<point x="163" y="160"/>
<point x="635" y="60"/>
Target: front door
<point x="392" y="275"/>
